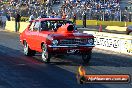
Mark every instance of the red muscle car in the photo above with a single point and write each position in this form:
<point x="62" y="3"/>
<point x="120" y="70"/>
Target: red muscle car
<point x="54" y="36"/>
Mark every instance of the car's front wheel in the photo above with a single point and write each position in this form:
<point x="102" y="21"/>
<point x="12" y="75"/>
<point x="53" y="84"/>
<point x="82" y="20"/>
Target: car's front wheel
<point x="86" y="57"/>
<point x="27" y="51"/>
<point x="45" y="54"/>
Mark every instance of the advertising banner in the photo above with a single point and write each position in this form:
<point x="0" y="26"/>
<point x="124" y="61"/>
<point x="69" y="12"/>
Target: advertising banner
<point x="114" y="42"/>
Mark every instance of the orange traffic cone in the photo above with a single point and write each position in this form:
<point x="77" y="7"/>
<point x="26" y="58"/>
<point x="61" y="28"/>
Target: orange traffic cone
<point x="100" y="28"/>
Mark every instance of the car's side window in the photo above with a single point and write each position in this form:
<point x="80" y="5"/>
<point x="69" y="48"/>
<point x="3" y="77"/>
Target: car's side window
<point x="44" y="26"/>
<point x="36" y="26"/>
<point x="52" y="25"/>
<point x="49" y="25"/>
<point x="32" y="26"/>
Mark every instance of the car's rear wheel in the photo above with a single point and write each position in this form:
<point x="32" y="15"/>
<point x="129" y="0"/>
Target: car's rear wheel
<point x="86" y="57"/>
<point x="28" y="51"/>
<point x="45" y="54"/>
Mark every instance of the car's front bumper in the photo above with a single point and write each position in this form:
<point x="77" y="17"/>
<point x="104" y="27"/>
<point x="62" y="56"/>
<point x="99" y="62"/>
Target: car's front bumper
<point x="70" y="49"/>
<point x="71" y="46"/>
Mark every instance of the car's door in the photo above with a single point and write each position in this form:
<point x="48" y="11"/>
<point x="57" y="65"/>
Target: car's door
<point x="34" y="35"/>
<point x="44" y="31"/>
<point x="29" y="35"/>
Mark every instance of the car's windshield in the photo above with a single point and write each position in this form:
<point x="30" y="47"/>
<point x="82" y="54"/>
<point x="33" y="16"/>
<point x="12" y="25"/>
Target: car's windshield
<point x="54" y="24"/>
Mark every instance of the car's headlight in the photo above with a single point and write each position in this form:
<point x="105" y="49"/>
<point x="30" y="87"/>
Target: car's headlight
<point x="91" y="41"/>
<point x="54" y="42"/>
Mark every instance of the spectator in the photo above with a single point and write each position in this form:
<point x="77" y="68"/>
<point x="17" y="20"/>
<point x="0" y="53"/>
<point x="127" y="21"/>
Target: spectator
<point x="3" y="18"/>
<point x="74" y="18"/>
<point x="84" y="19"/>
<point x="64" y="16"/>
<point x="3" y="21"/>
<point x="43" y="16"/>
<point x="31" y="18"/>
<point x="8" y="17"/>
<point x="52" y="15"/>
<point x="95" y="9"/>
<point x="17" y="22"/>
<point x="57" y="15"/>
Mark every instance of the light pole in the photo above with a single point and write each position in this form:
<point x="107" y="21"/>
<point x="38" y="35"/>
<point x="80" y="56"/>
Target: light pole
<point x="120" y="15"/>
<point x="130" y="10"/>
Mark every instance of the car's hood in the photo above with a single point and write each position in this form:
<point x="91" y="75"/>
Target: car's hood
<point x="70" y="35"/>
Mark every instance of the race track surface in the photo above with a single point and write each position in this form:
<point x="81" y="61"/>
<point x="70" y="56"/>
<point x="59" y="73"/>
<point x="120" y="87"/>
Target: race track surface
<point x="19" y="71"/>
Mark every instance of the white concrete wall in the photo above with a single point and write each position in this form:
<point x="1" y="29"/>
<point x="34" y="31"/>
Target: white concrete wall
<point x="114" y="42"/>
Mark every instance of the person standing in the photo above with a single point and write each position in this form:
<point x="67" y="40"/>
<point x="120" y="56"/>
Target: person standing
<point x="31" y="18"/>
<point x="4" y="21"/>
<point x="52" y="15"/>
<point x="17" y="22"/>
<point x="8" y="17"/>
<point x="84" y="20"/>
<point x="64" y="16"/>
<point x="57" y="15"/>
<point x="74" y="18"/>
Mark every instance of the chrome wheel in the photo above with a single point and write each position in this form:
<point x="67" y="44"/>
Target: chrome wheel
<point x="26" y="49"/>
<point x="45" y="54"/>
